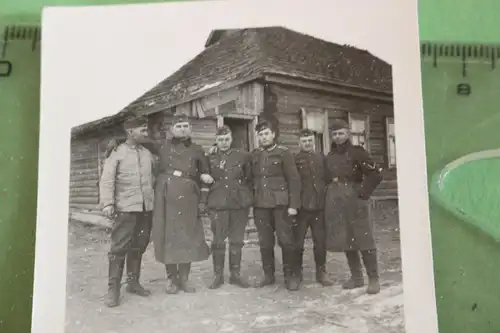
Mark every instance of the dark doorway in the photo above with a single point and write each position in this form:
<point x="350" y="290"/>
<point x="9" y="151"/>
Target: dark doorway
<point x="240" y="128"/>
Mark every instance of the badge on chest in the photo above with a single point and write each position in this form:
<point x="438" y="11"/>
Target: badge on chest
<point x="222" y="164"/>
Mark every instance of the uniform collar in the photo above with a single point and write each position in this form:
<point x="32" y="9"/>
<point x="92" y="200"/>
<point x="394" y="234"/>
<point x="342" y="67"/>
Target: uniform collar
<point x="341" y="148"/>
<point x="133" y="145"/>
<point x="271" y="148"/>
<point x="227" y="152"/>
<point x="187" y="141"/>
<point x="307" y="152"/>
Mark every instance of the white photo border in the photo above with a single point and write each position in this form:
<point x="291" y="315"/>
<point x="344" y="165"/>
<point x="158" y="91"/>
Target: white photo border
<point x="90" y="29"/>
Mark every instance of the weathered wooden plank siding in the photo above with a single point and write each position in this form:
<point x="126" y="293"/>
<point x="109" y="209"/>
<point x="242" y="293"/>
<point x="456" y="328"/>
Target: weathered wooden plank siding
<point x="377" y="139"/>
<point x="250" y="100"/>
<point x="290" y="101"/>
<point x="203" y="132"/>
<point x="84" y="175"/>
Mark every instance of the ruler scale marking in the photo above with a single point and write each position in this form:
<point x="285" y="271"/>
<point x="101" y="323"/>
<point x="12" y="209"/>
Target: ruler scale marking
<point x="472" y="122"/>
<point x="19" y="128"/>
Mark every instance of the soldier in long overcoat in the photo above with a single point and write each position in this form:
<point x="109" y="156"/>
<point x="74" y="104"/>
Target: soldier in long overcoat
<point x="229" y="200"/>
<point x="352" y="176"/>
<point x="276" y="183"/>
<point x="181" y="186"/>
<point x="126" y="197"/>
<point x="310" y="165"/>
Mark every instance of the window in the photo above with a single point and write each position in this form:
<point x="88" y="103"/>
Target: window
<point x="316" y="120"/>
<point x="359" y="130"/>
<point x="391" y="142"/>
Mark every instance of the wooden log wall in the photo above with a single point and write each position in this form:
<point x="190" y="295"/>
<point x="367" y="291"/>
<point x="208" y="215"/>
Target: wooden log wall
<point x="289" y="101"/>
<point x="84" y="175"/>
<point x="377" y="138"/>
<point x="203" y="130"/>
<point x="250" y="99"/>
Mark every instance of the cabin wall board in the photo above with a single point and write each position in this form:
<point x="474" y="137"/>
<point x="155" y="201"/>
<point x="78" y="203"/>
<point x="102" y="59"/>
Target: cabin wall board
<point x="289" y="101"/>
<point x="84" y="174"/>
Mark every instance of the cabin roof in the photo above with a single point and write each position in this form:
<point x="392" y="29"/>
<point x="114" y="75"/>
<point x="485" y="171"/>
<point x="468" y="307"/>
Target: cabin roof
<point x="236" y="55"/>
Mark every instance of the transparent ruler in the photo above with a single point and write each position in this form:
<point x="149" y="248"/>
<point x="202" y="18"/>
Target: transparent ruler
<point x="461" y="95"/>
<point x="19" y="127"/>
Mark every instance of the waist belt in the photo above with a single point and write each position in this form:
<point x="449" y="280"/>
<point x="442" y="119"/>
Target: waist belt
<point x="341" y="180"/>
<point x="178" y="173"/>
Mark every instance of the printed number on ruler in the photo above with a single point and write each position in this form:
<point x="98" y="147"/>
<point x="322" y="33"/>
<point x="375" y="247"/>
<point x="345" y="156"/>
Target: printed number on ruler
<point x="461" y="89"/>
<point x="466" y="56"/>
<point x="19" y="128"/>
<point x="13" y="34"/>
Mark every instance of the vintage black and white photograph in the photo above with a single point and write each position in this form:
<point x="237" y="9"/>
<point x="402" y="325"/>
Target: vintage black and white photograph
<point x="251" y="188"/>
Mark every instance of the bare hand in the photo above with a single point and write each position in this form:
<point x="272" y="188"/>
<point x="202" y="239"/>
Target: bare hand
<point x="206" y="178"/>
<point x="212" y="150"/>
<point x="292" y="211"/>
<point x="108" y="211"/>
<point x="202" y="207"/>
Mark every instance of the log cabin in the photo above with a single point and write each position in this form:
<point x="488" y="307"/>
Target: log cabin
<point x="291" y="79"/>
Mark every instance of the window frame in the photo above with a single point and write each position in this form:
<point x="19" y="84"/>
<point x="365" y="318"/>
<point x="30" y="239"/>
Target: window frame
<point x="324" y="135"/>
<point x="390" y="136"/>
<point x="366" y="132"/>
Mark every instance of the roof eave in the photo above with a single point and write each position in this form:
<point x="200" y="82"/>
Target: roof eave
<point x="204" y="93"/>
<point x="343" y="88"/>
<point x="111" y="120"/>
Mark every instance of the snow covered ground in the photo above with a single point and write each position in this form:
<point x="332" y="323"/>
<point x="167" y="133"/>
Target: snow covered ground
<point x="313" y="309"/>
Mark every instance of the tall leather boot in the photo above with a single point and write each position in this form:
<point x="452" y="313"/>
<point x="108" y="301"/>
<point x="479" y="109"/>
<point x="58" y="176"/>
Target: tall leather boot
<point x="268" y="266"/>
<point x="291" y="269"/>
<point x="218" y="259"/>
<point x="172" y="286"/>
<point x="235" y="268"/>
<point x="134" y="261"/>
<point x="321" y="275"/>
<point x="371" y="265"/>
<point x="300" y="261"/>
<point x="116" y="265"/>
<point x="354" y="262"/>
<point x="184" y="283"/>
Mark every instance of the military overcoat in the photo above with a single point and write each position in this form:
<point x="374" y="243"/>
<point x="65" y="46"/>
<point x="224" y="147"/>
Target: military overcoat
<point x="351" y="176"/>
<point x="178" y="233"/>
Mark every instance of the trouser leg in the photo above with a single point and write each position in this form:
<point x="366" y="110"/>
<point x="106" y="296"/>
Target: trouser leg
<point x="318" y="231"/>
<point x="121" y="238"/>
<point x="140" y="242"/>
<point x="237" y="224"/>
<point x="219" y="225"/>
<point x="285" y="232"/>
<point x="265" y="228"/>
<point x="300" y="234"/>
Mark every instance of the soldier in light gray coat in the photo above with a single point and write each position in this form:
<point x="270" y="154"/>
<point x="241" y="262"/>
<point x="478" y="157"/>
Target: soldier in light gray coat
<point x="126" y="197"/>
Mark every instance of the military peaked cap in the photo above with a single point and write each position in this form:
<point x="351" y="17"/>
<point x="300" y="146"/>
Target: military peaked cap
<point x="262" y="125"/>
<point x="180" y="118"/>
<point x="338" y="124"/>
<point x="223" y="130"/>
<point x="306" y="132"/>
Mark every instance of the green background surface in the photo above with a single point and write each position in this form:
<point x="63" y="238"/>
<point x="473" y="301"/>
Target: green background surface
<point x="467" y="263"/>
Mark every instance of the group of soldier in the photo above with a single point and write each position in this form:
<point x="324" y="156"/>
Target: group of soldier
<point x="157" y="190"/>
